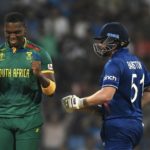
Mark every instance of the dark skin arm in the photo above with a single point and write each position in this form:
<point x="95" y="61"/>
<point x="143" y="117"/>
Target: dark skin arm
<point x="42" y="77"/>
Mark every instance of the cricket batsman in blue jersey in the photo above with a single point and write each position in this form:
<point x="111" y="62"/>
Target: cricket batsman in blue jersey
<point x="123" y="82"/>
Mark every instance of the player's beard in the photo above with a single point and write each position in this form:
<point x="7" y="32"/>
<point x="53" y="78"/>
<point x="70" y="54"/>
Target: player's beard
<point x="16" y="42"/>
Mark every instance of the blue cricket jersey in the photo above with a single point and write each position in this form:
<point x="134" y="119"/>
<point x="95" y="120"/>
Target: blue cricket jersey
<point x="128" y="75"/>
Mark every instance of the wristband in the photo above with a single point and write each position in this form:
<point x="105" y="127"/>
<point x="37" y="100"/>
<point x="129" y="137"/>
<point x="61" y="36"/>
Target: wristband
<point x="50" y="89"/>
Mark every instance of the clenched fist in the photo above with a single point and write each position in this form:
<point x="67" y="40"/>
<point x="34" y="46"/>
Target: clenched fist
<point x="36" y="67"/>
<point x="71" y="103"/>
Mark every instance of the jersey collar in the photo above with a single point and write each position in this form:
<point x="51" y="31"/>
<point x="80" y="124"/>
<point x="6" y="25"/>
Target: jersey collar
<point x="121" y="50"/>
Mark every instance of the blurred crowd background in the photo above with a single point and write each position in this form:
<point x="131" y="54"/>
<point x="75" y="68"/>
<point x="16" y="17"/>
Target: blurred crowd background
<point x="65" y="29"/>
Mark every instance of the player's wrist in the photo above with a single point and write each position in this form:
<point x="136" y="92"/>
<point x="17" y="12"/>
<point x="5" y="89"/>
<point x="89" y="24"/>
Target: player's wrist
<point x="85" y="103"/>
<point x="44" y="81"/>
<point x="82" y="103"/>
<point x="39" y="74"/>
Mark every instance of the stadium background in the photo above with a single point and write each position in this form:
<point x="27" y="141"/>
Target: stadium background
<point x="65" y="29"/>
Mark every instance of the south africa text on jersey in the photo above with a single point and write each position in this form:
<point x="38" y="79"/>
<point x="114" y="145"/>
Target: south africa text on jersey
<point x="15" y="72"/>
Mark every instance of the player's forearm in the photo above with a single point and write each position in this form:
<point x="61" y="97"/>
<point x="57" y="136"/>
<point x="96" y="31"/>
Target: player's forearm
<point x="102" y="96"/>
<point x="48" y="86"/>
<point x="98" y="98"/>
<point x="44" y="81"/>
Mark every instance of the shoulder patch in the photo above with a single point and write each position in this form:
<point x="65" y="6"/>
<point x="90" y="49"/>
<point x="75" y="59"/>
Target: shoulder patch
<point x="33" y="46"/>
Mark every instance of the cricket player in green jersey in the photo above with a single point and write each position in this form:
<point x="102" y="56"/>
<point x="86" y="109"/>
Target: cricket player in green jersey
<point x="26" y="72"/>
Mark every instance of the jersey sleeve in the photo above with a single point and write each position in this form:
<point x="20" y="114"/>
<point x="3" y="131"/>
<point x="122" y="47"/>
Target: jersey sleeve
<point x="112" y="73"/>
<point x="46" y="62"/>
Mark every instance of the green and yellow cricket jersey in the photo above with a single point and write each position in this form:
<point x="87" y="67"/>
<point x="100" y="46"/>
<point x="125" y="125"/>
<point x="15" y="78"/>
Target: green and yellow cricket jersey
<point x="20" y="91"/>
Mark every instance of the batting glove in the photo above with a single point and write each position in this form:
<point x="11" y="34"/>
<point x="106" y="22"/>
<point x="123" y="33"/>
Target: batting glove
<point x="72" y="102"/>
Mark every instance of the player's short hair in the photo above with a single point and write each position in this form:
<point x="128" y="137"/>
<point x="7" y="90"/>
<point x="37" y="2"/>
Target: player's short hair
<point x="14" y="17"/>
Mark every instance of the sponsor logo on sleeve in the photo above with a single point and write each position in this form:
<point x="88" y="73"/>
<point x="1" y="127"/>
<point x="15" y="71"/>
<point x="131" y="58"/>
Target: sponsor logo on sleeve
<point x="111" y="78"/>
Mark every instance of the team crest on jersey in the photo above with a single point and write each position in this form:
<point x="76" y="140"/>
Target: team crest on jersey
<point x="2" y="56"/>
<point x="29" y="55"/>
